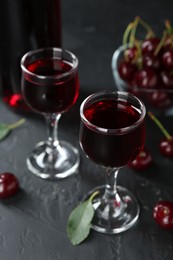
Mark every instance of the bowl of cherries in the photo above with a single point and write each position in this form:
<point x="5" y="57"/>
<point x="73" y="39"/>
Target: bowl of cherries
<point x="144" y="66"/>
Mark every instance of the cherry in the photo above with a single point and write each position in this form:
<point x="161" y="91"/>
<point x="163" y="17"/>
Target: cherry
<point x="130" y="54"/>
<point x="142" y="161"/>
<point x="166" y="145"/>
<point x="146" y="78"/>
<point x="126" y="70"/>
<point x="151" y="61"/>
<point x="9" y="185"/>
<point x="149" y="45"/>
<point x="167" y="59"/>
<point x="163" y="214"/>
<point x="167" y="79"/>
<point x="168" y="44"/>
<point x="159" y="98"/>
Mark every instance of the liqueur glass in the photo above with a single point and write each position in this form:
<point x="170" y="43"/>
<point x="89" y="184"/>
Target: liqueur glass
<point x="112" y="134"/>
<point x="50" y="87"/>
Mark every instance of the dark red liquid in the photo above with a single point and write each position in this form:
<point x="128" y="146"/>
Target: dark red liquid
<point x="114" y="150"/>
<point x="54" y="97"/>
<point x="25" y="25"/>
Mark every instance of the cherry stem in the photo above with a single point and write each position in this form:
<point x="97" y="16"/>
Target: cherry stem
<point x="138" y="57"/>
<point x="133" y="31"/>
<point x="93" y="195"/>
<point x="168" y="27"/>
<point x="147" y="27"/>
<point x="18" y="123"/>
<point x="159" y="124"/>
<point x="126" y="33"/>
<point x="161" y="43"/>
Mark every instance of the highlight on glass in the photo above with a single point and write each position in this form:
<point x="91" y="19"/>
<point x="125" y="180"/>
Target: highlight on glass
<point x="50" y="86"/>
<point x="112" y="134"/>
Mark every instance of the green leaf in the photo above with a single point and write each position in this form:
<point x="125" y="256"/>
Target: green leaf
<point x="79" y="222"/>
<point x="5" y="128"/>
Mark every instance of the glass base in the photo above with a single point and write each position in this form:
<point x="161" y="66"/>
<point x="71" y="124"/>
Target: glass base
<point x="114" y="216"/>
<point x="54" y="164"/>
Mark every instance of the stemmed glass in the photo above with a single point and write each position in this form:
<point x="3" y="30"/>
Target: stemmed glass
<point x="50" y="87"/>
<point x="112" y="133"/>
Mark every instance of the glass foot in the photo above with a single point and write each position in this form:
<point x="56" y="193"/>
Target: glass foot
<point x="54" y="164"/>
<point x="114" y="216"/>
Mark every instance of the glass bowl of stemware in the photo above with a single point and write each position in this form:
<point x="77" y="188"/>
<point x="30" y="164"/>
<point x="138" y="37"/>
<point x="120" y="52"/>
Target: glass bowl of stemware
<point x="159" y="101"/>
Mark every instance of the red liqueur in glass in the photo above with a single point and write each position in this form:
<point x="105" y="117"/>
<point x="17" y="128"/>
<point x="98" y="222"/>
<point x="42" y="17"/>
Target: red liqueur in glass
<point x="47" y="98"/>
<point x="116" y="145"/>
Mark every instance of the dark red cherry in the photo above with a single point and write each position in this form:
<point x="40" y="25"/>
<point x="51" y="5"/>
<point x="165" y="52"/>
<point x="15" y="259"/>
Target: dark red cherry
<point x="163" y="214"/>
<point x="166" y="147"/>
<point x="168" y="44"/>
<point x="149" y="46"/>
<point x="126" y="70"/>
<point x="167" y="59"/>
<point x="159" y="99"/>
<point x="130" y="54"/>
<point x="143" y="161"/>
<point x="151" y="61"/>
<point x="146" y="78"/>
<point x="167" y="79"/>
<point x="9" y="185"/>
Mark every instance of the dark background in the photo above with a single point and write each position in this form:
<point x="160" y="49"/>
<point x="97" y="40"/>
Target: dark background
<point x="33" y="223"/>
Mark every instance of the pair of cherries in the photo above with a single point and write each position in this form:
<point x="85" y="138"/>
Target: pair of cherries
<point x="166" y="144"/>
<point x="163" y="210"/>
<point x="144" y="159"/>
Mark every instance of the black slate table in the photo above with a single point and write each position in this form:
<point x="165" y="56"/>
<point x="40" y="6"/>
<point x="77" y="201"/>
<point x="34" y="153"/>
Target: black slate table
<point x="33" y="223"/>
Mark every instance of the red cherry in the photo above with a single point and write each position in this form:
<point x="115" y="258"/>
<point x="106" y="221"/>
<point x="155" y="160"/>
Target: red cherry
<point x="130" y="54"/>
<point x="149" y="45"/>
<point x="142" y="161"/>
<point x="126" y="70"/>
<point x="163" y="214"/>
<point x="167" y="79"/>
<point x="8" y="185"/>
<point x="168" y="43"/>
<point x="167" y="59"/>
<point x="159" y="99"/>
<point x="166" y="147"/>
<point x="146" y="78"/>
<point x="151" y="61"/>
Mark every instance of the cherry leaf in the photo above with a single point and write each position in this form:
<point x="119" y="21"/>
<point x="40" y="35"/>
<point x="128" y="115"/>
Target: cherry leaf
<point x="79" y="221"/>
<point x="5" y="128"/>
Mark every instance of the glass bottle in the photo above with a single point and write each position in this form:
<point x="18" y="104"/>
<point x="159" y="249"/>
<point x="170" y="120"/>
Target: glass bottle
<point x="24" y="25"/>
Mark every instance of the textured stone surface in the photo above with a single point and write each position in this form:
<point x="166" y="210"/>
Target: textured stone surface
<point x="33" y="223"/>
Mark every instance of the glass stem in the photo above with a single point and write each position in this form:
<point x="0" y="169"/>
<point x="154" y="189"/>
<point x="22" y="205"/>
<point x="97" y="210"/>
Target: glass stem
<point x="52" y="130"/>
<point x="111" y="194"/>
